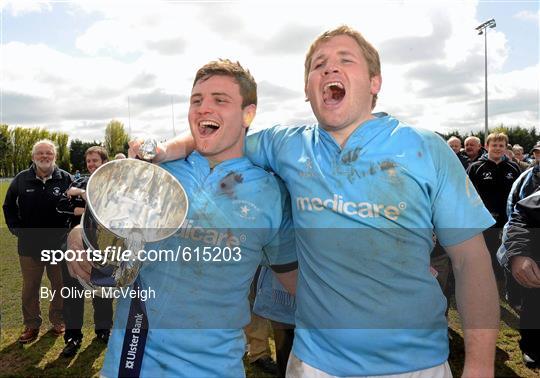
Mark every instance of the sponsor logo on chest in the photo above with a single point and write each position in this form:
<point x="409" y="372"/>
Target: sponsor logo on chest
<point x="350" y="208"/>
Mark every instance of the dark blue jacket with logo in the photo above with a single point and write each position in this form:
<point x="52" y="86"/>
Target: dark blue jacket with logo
<point x="493" y="182"/>
<point x="30" y="211"/>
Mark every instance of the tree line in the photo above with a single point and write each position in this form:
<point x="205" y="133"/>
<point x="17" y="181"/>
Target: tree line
<point x="16" y="147"/>
<point x="526" y="138"/>
<point x="16" y="144"/>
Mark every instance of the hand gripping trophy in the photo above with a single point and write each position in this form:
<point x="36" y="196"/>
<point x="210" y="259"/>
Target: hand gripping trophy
<point x="130" y="203"/>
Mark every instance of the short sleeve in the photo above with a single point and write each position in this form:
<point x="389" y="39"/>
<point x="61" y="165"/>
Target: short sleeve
<point x="262" y="147"/>
<point x="458" y="212"/>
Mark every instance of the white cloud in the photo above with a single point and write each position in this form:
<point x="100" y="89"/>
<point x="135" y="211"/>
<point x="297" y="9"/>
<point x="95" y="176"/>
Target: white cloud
<point x="20" y="7"/>
<point x="432" y="62"/>
<point x="527" y="15"/>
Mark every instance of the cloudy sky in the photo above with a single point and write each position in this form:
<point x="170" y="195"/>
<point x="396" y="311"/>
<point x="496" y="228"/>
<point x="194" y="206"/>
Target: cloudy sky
<point x="74" y="65"/>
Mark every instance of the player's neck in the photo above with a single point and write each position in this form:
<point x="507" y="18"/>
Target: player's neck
<point x="341" y="135"/>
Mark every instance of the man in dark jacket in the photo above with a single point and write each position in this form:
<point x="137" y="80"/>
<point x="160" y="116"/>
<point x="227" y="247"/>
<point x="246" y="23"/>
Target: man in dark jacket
<point x="74" y="205"/>
<point x="493" y="175"/>
<point x="473" y="150"/>
<point x="30" y="213"/>
<point x="520" y="254"/>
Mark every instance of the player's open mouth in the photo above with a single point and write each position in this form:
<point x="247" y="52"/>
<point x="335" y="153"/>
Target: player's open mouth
<point x="333" y="93"/>
<point x="208" y="127"/>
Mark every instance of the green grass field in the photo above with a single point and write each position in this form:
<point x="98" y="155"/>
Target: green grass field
<point x="42" y="357"/>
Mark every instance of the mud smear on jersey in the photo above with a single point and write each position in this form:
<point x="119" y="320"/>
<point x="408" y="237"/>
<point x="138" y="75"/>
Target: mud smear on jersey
<point x="388" y="165"/>
<point x="229" y="182"/>
<point x="351" y="156"/>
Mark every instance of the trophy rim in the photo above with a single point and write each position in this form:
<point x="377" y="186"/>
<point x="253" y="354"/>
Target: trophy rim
<point x="90" y="207"/>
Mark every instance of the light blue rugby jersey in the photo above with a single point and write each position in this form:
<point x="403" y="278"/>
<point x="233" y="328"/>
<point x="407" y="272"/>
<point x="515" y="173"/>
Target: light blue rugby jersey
<point x="367" y="303"/>
<point x="196" y="319"/>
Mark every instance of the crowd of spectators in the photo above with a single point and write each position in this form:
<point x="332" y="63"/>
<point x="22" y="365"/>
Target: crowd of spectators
<point x="508" y="181"/>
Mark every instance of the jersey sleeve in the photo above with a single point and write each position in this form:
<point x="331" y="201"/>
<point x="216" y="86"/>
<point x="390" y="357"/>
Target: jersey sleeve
<point x="263" y="147"/>
<point x="280" y="251"/>
<point x="458" y="212"/>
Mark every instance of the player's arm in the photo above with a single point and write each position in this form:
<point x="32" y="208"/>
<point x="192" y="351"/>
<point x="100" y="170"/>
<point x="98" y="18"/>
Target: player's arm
<point x="176" y="148"/>
<point x="478" y="304"/>
<point x="260" y="147"/>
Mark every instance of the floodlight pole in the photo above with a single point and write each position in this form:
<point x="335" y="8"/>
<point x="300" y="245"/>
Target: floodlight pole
<point x="485" y="89"/>
<point x="482" y="29"/>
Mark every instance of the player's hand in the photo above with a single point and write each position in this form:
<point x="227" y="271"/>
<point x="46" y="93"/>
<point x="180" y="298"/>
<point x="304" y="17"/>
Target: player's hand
<point x="74" y="192"/>
<point x="76" y="268"/>
<point x="526" y="271"/>
<point x="135" y="147"/>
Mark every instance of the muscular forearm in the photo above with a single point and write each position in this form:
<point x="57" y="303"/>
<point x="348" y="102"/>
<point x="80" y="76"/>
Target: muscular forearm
<point x="479" y="352"/>
<point x="478" y="305"/>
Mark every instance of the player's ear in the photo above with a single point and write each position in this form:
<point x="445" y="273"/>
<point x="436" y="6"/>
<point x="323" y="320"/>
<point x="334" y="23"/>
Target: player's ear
<point x="376" y="83"/>
<point x="248" y="114"/>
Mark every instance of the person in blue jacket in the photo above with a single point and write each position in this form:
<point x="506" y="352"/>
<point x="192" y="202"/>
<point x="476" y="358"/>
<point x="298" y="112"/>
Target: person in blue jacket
<point x="367" y="193"/>
<point x="238" y="213"/>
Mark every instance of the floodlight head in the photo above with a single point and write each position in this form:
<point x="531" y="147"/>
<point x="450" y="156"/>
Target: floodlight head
<point x="480" y="32"/>
<point x="489" y="23"/>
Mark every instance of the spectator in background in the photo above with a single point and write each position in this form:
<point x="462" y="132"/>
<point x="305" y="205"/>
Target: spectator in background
<point x="77" y="175"/>
<point x="493" y="175"/>
<point x="518" y="152"/>
<point x="73" y="204"/>
<point x="535" y="153"/>
<point x="510" y="153"/>
<point x="520" y="255"/>
<point x="455" y="144"/>
<point x="119" y="156"/>
<point x="30" y="213"/>
<point x="473" y="149"/>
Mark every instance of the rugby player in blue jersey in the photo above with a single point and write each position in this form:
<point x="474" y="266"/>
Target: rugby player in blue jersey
<point x="367" y="192"/>
<point x="240" y="212"/>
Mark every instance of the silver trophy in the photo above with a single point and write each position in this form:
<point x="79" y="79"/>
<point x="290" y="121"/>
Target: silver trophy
<point x="129" y="203"/>
<point x="148" y="149"/>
